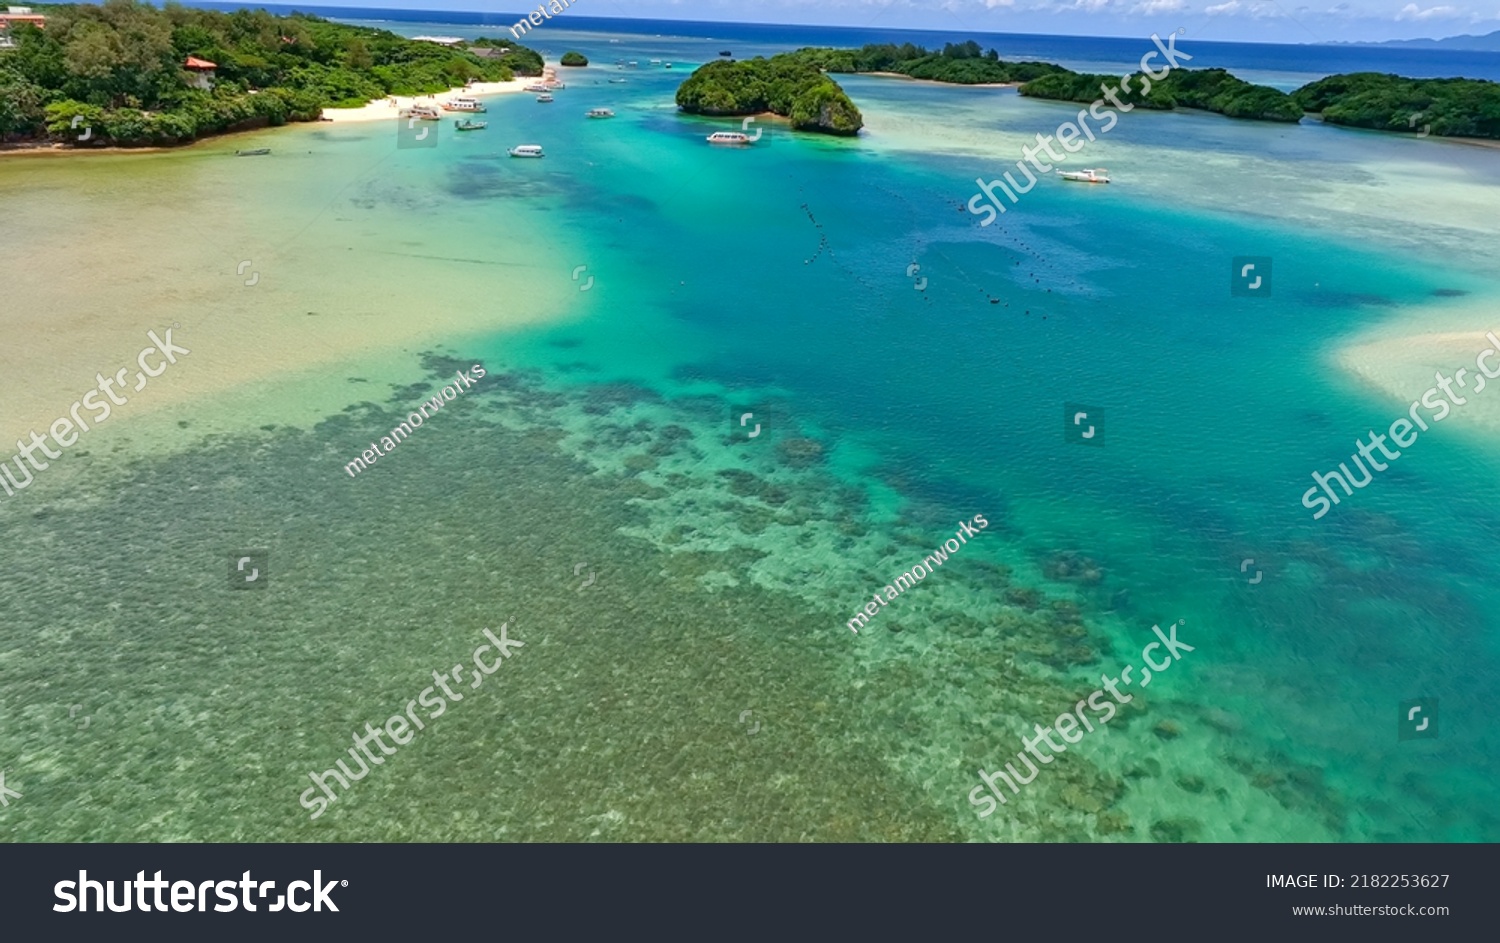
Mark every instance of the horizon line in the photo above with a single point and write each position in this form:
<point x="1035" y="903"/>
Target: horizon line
<point x="315" y="9"/>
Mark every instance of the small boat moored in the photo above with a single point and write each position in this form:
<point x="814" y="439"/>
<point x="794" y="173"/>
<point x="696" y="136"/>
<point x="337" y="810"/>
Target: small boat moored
<point x="467" y="124"/>
<point x="1087" y="175"/>
<point x="536" y="87"/>
<point x="463" y="104"/>
<point x="728" y="137"/>
<point x="600" y="113"/>
<point x="423" y="113"/>
<point x="526" y="150"/>
<point x="253" y="152"/>
<point x="544" y="98"/>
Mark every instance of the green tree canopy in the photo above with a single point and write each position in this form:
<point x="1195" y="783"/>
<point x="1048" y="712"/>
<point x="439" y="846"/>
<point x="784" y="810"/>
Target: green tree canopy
<point x="785" y="85"/>
<point x="119" y="67"/>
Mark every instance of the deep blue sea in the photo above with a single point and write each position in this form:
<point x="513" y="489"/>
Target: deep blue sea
<point x="1282" y="65"/>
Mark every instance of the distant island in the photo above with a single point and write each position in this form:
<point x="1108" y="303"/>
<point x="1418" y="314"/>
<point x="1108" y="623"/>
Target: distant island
<point x="1212" y="90"/>
<point x="1489" y="42"/>
<point x="1443" y="107"/>
<point x="129" y="74"/>
<point x="958" y="63"/>
<point x="966" y="64"/>
<point x="782" y="85"/>
<point x="574" y="59"/>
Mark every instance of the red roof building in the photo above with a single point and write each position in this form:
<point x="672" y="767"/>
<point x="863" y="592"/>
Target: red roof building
<point x="8" y="20"/>
<point x="202" y="72"/>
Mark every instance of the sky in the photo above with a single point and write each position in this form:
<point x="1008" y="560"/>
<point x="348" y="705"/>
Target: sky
<point x="1283" y="21"/>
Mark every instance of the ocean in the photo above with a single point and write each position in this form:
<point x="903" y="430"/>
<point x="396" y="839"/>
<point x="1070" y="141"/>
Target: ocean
<point x="683" y="588"/>
<point x="1284" y="65"/>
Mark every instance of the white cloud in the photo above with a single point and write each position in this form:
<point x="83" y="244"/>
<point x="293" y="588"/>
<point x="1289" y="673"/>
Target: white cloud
<point x="1054" y="6"/>
<point x="1159" y="6"/>
<point x="1257" y="10"/>
<point x="1412" y="12"/>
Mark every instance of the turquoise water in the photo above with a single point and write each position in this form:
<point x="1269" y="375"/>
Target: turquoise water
<point x="775" y="277"/>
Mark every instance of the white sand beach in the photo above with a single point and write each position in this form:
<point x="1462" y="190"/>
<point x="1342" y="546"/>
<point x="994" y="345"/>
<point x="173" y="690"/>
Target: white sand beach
<point x="384" y="109"/>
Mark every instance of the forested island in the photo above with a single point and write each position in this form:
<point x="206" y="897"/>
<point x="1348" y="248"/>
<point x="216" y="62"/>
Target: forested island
<point x="958" y="63"/>
<point x="126" y="73"/>
<point x="1205" y="89"/>
<point x="784" y="85"/>
<point x="966" y="64"/>
<point x="1451" y="107"/>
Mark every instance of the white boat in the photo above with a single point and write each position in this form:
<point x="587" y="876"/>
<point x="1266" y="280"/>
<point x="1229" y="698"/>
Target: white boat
<point x="617" y="81"/>
<point x="526" y="150"/>
<point x="424" y="113"/>
<point x="554" y="85"/>
<point x="669" y="65"/>
<point x="728" y="137"/>
<point x="656" y="62"/>
<point x="536" y="87"/>
<point x="544" y="98"/>
<point x="601" y="113"/>
<point x="464" y="105"/>
<point x="1087" y="175"/>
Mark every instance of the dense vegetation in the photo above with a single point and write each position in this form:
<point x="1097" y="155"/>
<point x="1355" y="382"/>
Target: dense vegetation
<point x="1462" y="107"/>
<point x="118" y="69"/>
<point x="574" y="58"/>
<point x="783" y="85"/>
<point x="1208" y="89"/>
<point x="959" y="63"/>
<point x="520" y="59"/>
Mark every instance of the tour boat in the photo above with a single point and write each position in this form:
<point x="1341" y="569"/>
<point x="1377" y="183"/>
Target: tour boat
<point x="467" y="124"/>
<point x="536" y="87"/>
<point x="601" y="113"/>
<point x="1087" y="175"/>
<point x="553" y="85"/>
<point x="728" y="137"/>
<point x="425" y="113"/>
<point x="463" y="104"/>
<point x="544" y="98"/>
<point x="668" y="65"/>
<point x="526" y="150"/>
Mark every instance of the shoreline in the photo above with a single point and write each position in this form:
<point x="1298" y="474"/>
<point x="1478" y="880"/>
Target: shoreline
<point x="380" y="109"/>
<point x="900" y="75"/>
<point x="384" y="109"/>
